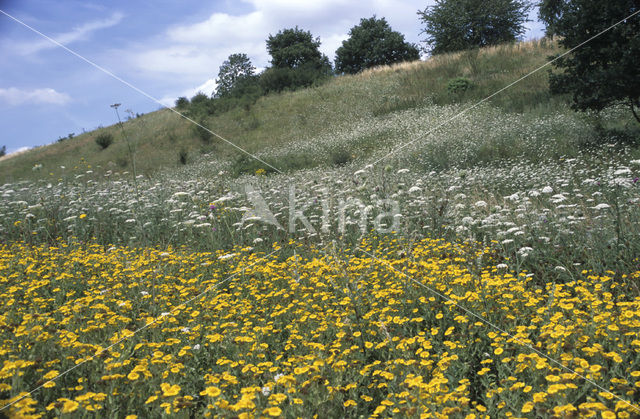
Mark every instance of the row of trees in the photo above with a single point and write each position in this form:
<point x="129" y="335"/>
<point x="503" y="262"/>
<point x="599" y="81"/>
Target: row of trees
<point x="296" y="60"/>
<point x="602" y="73"/>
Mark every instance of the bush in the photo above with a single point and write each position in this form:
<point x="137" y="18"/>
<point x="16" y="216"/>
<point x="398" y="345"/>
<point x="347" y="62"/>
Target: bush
<point x="340" y="157"/>
<point x="458" y="85"/>
<point x="200" y="130"/>
<point x="182" y="103"/>
<point x="182" y="156"/>
<point x="104" y="140"/>
<point x="280" y="79"/>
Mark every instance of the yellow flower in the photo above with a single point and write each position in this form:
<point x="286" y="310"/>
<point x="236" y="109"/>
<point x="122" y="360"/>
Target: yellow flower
<point x="131" y="417"/>
<point x="498" y="351"/>
<point x="133" y="376"/>
<point x="51" y="374"/>
<point x="349" y="403"/>
<point x="169" y="390"/>
<point x="81" y="216"/>
<point x="273" y="411"/>
<point x="69" y="406"/>
<point x="527" y="407"/>
<point x="211" y="392"/>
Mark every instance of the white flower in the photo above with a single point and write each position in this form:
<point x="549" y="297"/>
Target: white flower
<point x="502" y="266"/>
<point x="266" y="391"/>
<point x="480" y="204"/>
<point x="185" y="330"/>
<point x="560" y="269"/>
<point x="278" y="377"/>
<point x="622" y="171"/>
<point x="144" y="293"/>
<point x="547" y="190"/>
<point x="635" y="162"/>
<point x="227" y="256"/>
<point x="196" y="347"/>
<point x="524" y="251"/>
<point x="401" y="171"/>
<point x="601" y="206"/>
<point x="415" y="189"/>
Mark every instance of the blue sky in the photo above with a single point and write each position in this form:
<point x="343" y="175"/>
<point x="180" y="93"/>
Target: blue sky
<point x="164" y="48"/>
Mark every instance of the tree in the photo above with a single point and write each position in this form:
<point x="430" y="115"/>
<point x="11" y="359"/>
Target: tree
<point x="373" y="43"/>
<point x="605" y="70"/>
<point x="296" y="61"/>
<point x="455" y="25"/>
<point x="549" y="12"/>
<point x="295" y="48"/>
<point x="3" y="150"/>
<point x="234" y="70"/>
<point x="182" y="102"/>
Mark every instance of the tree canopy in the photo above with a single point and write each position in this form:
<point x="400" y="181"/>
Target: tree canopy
<point x="236" y="69"/>
<point x="296" y="61"/>
<point x="455" y="25"/>
<point x="373" y="43"/>
<point x="606" y="69"/>
<point x="294" y="48"/>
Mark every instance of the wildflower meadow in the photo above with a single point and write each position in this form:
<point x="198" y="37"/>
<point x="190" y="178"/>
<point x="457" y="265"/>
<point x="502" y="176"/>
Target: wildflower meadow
<point x="489" y="268"/>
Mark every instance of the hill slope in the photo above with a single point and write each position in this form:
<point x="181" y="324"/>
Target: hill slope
<point x="280" y="120"/>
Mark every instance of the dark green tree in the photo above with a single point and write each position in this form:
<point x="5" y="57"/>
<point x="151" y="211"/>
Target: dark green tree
<point x="296" y="61"/>
<point x="455" y="25"/>
<point x="605" y="70"/>
<point x="236" y="69"/>
<point x="295" y="48"/>
<point x="3" y="150"/>
<point x="549" y="12"/>
<point x="182" y="102"/>
<point x="373" y="43"/>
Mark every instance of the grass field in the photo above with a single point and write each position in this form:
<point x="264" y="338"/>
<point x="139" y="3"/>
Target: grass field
<point x="418" y="259"/>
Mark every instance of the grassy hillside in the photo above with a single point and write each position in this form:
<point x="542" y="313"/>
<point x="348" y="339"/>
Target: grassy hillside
<point x="278" y="120"/>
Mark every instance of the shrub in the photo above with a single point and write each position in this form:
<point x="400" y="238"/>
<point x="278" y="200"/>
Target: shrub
<point x="104" y="140"/>
<point x="203" y="134"/>
<point x="182" y="156"/>
<point x="458" y="85"/>
<point x="182" y="103"/>
<point x="340" y="157"/>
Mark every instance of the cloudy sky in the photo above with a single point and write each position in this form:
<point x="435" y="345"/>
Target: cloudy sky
<point x="164" y="48"/>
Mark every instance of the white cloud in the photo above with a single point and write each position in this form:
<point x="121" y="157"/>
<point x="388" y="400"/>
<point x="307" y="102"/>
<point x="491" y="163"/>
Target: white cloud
<point x="197" y="50"/>
<point x="207" y="88"/>
<point x="187" y="53"/>
<point x="79" y="33"/>
<point x="14" y="96"/>
<point x="20" y="150"/>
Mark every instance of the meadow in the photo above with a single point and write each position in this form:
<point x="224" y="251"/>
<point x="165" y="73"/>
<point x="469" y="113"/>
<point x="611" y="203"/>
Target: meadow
<point x="489" y="268"/>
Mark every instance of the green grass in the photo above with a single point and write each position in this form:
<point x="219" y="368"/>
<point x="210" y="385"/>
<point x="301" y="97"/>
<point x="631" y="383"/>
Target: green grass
<point x="280" y="119"/>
